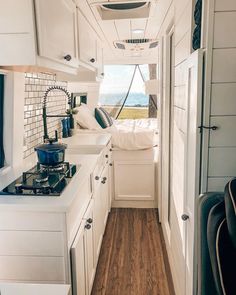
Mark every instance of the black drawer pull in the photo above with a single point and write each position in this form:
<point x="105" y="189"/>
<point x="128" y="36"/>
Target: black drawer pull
<point x="67" y="57"/>
<point x="90" y="220"/>
<point x="87" y="226"/>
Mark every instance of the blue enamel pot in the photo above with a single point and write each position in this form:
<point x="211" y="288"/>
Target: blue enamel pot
<point x="51" y="154"/>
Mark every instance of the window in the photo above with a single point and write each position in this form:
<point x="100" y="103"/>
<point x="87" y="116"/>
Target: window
<point x="1" y="120"/>
<point x="119" y="97"/>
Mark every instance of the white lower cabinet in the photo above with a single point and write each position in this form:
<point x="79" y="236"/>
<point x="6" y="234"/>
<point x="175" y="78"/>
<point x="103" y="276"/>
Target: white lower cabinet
<point x="58" y="247"/>
<point x="78" y="266"/>
<point x="82" y="256"/>
<point x="101" y="209"/>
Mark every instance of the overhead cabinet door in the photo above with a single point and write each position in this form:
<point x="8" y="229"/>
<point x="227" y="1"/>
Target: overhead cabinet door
<point x="56" y="29"/>
<point x="87" y="41"/>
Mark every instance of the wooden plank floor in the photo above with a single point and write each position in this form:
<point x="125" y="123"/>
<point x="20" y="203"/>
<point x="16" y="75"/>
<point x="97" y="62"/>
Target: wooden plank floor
<point x="132" y="259"/>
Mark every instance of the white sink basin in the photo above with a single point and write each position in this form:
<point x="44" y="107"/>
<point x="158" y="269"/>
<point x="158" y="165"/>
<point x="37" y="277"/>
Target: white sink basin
<point x="87" y="150"/>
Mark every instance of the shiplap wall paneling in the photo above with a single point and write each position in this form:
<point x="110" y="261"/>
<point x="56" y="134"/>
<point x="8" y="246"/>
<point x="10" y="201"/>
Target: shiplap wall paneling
<point x="180" y="74"/>
<point x="225" y="134"/>
<point x="182" y="24"/>
<point x="224" y="65"/>
<point x="180" y="97"/>
<point x="223" y="99"/>
<point x="222" y="162"/>
<point x="225" y="5"/>
<point x="224" y="29"/>
<point x="182" y="49"/>
<point x="217" y="183"/>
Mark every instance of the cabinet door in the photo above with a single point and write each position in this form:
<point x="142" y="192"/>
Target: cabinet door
<point x="104" y="196"/>
<point x="98" y="222"/>
<point x="99" y="64"/>
<point x="57" y="30"/>
<point x="87" y="41"/>
<point x="78" y="262"/>
<point x="89" y="250"/>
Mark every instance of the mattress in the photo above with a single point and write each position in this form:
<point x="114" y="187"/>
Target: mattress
<point x="131" y="134"/>
<point x="134" y="134"/>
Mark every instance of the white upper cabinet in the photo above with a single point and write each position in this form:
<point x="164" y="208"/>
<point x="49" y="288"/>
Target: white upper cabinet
<point x="17" y="39"/>
<point x="56" y="28"/>
<point x="100" y="65"/>
<point x="87" y="41"/>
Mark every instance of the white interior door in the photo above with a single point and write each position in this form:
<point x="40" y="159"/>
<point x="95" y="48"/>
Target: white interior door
<point x="193" y="158"/>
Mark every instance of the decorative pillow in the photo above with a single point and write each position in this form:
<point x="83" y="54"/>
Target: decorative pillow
<point x="103" y="118"/>
<point x="85" y="118"/>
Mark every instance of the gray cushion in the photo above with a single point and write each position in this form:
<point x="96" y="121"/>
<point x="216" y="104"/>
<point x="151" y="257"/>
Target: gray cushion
<point x="206" y="283"/>
<point x="230" y="208"/>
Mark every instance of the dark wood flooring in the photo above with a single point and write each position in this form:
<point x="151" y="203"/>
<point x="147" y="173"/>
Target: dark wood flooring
<point x="133" y="258"/>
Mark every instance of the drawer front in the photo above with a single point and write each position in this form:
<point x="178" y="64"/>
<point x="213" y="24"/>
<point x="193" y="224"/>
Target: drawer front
<point x="31" y="243"/>
<point x="103" y="160"/>
<point x="31" y="221"/>
<point x="32" y="269"/>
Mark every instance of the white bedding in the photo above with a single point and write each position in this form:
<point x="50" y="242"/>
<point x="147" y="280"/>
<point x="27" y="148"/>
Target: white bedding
<point x="131" y="134"/>
<point x="134" y="134"/>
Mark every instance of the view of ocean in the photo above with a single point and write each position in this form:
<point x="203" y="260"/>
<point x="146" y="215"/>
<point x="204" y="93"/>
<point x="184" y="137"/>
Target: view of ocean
<point x="134" y="99"/>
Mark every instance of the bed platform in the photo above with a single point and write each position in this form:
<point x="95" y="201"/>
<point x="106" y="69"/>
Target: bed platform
<point x="134" y="177"/>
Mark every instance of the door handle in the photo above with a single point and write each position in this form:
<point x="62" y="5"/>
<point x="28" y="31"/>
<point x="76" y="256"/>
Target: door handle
<point x="208" y="127"/>
<point x="184" y="217"/>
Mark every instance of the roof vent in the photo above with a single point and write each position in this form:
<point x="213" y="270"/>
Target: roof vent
<point x="136" y="44"/>
<point x="124" y="6"/>
<point x="137" y="41"/>
<point x="122" y="9"/>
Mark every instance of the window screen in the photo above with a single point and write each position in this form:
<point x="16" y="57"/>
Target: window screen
<point x="1" y="120"/>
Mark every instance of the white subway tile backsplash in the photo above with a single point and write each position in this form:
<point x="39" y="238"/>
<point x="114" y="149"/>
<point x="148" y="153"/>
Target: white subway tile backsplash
<point x="35" y="86"/>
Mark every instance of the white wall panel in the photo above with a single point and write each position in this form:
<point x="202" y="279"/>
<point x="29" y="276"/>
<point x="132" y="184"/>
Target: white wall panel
<point x="182" y="49"/>
<point x="180" y="99"/>
<point x="224" y="65"/>
<point x="225" y="5"/>
<point x="183" y="23"/>
<point x="222" y="162"/>
<point x="225" y="135"/>
<point x="217" y="184"/>
<point x="180" y="74"/>
<point x="223" y="99"/>
<point x="224" y="29"/>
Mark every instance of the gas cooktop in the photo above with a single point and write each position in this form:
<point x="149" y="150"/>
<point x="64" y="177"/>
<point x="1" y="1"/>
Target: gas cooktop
<point x="42" y="181"/>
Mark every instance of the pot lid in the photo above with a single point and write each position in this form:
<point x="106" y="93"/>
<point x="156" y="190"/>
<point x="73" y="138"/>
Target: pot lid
<point x="54" y="147"/>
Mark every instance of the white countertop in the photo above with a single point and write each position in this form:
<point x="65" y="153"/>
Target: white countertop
<point x="94" y="139"/>
<point x="60" y="203"/>
<point x="33" y="289"/>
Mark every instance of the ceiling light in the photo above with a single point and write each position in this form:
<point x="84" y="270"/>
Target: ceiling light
<point x="137" y="31"/>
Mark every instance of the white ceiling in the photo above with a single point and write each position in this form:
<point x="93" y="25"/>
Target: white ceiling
<point x="121" y="29"/>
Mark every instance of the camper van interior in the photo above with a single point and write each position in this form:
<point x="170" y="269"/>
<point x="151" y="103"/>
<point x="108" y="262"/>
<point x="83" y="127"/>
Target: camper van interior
<point x="117" y="147"/>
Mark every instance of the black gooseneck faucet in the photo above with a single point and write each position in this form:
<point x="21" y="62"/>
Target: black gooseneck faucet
<point x="45" y="115"/>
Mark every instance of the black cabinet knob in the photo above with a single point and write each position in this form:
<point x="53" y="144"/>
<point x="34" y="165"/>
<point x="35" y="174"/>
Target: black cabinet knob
<point x="110" y="150"/>
<point x="92" y="60"/>
<point x="106" y="156"/>
<point x="90" y="220"/>
<point x="104" y="180"/>
<point x="87" y="226"/>
<point x="102" y="74"/>
<point x="110" y="164"/>
<point x="67" y="57"/>
<point x="97" y="177"/>
<point x="185" y="217"/>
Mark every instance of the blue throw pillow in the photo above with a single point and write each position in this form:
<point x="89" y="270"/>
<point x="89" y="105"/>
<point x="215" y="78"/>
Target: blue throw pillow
<point x="103" y="118"/>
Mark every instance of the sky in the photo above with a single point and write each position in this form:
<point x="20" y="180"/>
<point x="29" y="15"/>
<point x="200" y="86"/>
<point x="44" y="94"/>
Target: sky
<point x="118" y="77"/>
